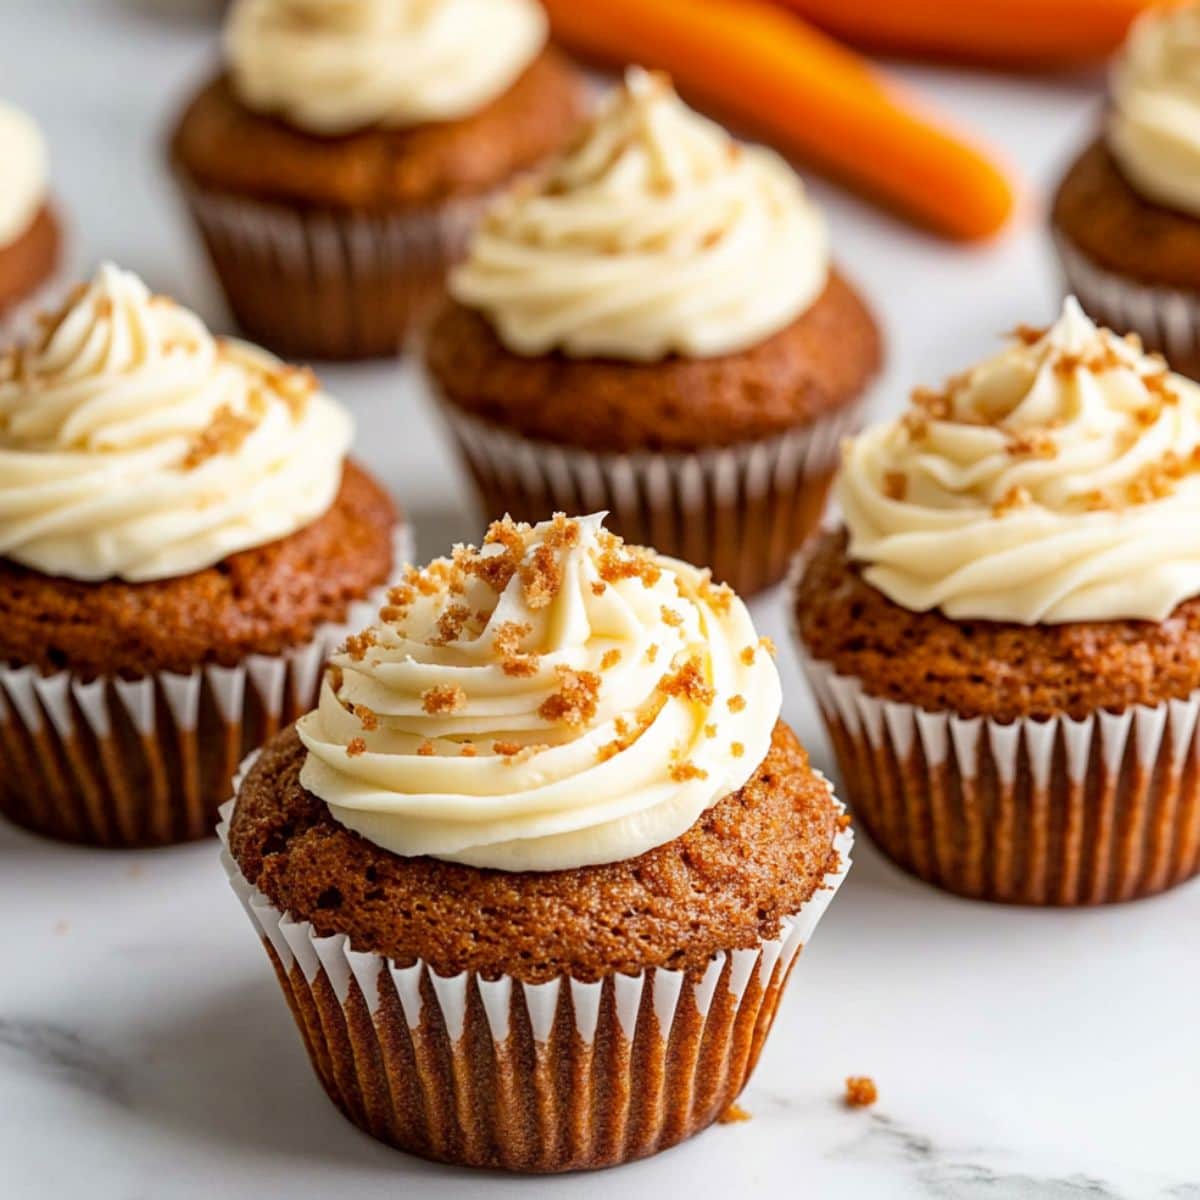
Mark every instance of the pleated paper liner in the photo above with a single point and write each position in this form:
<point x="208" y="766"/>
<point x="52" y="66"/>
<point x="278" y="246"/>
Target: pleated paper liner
<point x="146" y="762"/>
<point x="741" y="510"/>
<point x="1166" y="319"/>
<point x="555" y="1076"/>
<point x="329" y="283"/>
<point x="1044" y="812"/>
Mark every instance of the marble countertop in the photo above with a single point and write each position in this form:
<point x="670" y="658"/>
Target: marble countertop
<point x="145" y="1050"/>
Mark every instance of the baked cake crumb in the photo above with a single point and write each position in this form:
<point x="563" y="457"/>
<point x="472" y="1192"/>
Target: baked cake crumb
<point x="355" y="747"/>
<point x="574" y="703"/>
<point x="425" y="749"/>
<point x="737" y="749"/>
<point x="737" y="703"/>
<point x="861" y="1091"/>
<point x="688" y="682"/>
<point x="895" y="485"/>
<point x="609" y="659"/>
<point x="443" y="698"/>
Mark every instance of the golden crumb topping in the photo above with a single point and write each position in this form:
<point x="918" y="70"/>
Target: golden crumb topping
<point x="443" y="699"/>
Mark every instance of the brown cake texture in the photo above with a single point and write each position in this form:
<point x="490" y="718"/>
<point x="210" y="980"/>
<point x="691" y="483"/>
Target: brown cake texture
<point x="258" y="601"/>
<point x="756" y="856"/>
<point x="30" y="260"/>
<point x="989" y="668"/>
<point x="721" y="461"/>
<point x="819" y="363"/>
<point x="141" y="744"/>
<point x="1099" y="212"/>
<point x="1028" y="764"/>
<point x="219" y="143"/>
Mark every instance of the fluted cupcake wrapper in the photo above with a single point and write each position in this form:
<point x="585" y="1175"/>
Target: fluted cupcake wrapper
<point x="146" y="762"/>
<point x="1048" y="812"/>
<point x="741" y="510"/>
<point x="1166" y="319"/>
<point x="330" y="283"/>
<point x="555" y="1076"/>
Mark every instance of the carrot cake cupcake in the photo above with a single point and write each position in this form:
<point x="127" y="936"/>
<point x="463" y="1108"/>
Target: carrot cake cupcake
<point x="180" y="538"/>
<point x="30" y="241"/>
<point x="1005" y="636"/>
<point x="1127" y="216"/>
<point x="654" y="328"/>
<point x="337" y="161"/>
<point x="534" y="873"/>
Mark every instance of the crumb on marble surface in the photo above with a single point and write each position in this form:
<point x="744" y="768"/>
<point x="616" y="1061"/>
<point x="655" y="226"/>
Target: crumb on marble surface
<point x="861" y="1091"/>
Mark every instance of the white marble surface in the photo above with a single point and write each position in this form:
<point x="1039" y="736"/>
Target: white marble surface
<point x="145" y="1052"/>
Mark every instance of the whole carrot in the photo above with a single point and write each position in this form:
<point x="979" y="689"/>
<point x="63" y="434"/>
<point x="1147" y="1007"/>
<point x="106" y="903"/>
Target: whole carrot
<point x="999" y="32"/>
<point x="801" y="92"/>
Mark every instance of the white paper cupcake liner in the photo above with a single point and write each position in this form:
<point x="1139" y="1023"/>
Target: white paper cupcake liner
<point x="330" y="283"/>
<point x="741" y="510"/>
<point x="528" y="1077"/>
<point x="146" y="761"/>
<point x="1166" y="319"/>
<point x="1048" y="812"/>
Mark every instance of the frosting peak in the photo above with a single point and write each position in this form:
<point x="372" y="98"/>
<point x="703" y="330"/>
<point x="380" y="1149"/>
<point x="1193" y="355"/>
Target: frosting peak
<point x="1057" y="481"/>
<point x="553" y="700"/>
<point x="1154" y="123"/>
<point x="23" y="153"/>
<point x="335" y="66"/>
<point x="134" y="444"/>
<point x="656" y="234"/>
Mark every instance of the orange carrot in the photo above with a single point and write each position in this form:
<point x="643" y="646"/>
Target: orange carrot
<point x="998" y="32"/>
<point x="802" y="92"/>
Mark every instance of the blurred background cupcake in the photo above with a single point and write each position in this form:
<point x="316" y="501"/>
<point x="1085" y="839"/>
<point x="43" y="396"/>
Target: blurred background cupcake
<point x="30" y="237"/>
<point x="1004" y="638"/>
<point x="1126" y="217"/>
<point x="180" y="537"/>
<point x="654" y="328"/>
<point x="336" y="163"/>
<point x="544" y="847"/>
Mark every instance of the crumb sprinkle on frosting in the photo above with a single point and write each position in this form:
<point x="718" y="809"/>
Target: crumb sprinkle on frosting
<point x="508" y="657"/>
<point x="179" y="448"/>
<point x="1057" y="481"/>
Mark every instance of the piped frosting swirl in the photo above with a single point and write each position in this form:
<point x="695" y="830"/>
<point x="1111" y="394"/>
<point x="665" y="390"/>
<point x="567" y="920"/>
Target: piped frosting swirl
<point x="552" y="700"/>
<point x="655" y="234"/>
<point x="332" y="67"/>
<point x="1057" y="481"/>
<point x="1154" y="121"/>
<point x="133" y="444"/>
<point x="23" y="153"/>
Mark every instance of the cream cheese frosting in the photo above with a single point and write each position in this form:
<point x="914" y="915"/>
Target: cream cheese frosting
<point x="135" y="445"/>
<point x="24" y="172"/>
<point x="655" y="234"/>
<point x="335" y="66"/>
<point x="1057" y="481"/>
<point x="553" y="700"/>
<point x="1154" y="121"/>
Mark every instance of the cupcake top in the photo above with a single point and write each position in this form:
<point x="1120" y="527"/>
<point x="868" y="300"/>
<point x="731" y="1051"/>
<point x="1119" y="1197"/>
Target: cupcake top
<point x="133" y="444"/>
<point x="332" y="67"/>
<point x="555" y="699"/>
<point x="26" y="166"/>
<point x="1057" y="481"/>
<point x="655" y="234"/>
<point x="1154" y="123"/>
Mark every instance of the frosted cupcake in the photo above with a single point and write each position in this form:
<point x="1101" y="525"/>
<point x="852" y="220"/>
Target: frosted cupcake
<point x="181" y="536"/>
<point x="30" y="239"/>
<point x="534" y="873"/>
<point x="1005" y="636"/>
<point x="655" y="328"/>
<point x="1127" y="215"/>
<point x="336" y="163"/>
